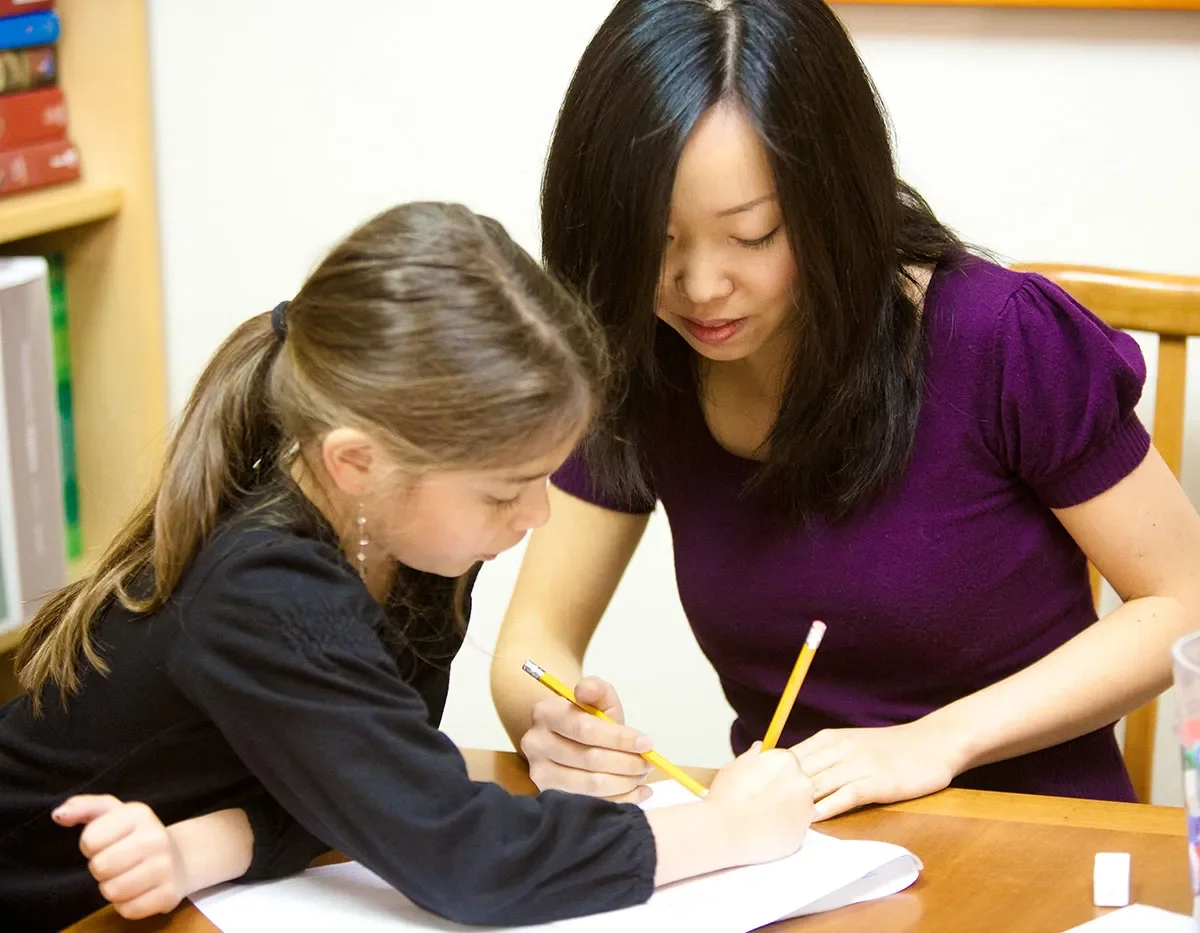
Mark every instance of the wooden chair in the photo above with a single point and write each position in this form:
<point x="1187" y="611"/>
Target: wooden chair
<point x="1167" y="305"/>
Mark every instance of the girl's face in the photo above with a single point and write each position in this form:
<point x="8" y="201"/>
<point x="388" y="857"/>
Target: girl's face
<point x="728" y="273"/>
<point x="446" y="521"/>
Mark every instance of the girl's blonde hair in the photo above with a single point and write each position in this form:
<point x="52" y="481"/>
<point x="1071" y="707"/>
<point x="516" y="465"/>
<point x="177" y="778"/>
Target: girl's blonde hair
<point x="428" y="328"/>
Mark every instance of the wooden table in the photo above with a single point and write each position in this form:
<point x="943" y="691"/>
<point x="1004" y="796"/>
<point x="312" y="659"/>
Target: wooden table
<point x="993" y="862"/>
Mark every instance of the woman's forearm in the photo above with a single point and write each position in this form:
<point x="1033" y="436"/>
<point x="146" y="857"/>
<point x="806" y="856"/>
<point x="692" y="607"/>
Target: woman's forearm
<point x="1106" y="671"/>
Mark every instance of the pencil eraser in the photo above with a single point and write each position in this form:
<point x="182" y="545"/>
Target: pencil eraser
<point x="1110" y="879"/>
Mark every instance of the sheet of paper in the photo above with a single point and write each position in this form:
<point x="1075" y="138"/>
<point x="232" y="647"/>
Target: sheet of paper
<point x="1138" y="918"/>
<point x="825" y="873"/>
<point x="896" y="867"/>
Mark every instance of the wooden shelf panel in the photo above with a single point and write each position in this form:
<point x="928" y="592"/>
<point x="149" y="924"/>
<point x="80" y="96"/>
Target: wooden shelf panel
<point x="57" y="208"/>
<point x="112" y="268"/>
<point x="10" y="640"/>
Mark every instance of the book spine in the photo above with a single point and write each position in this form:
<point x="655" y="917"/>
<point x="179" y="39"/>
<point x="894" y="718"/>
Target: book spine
<point x="20" y="7"/>
<point x="60" y="328"/>
<point x="27" y="69"/>
<point x="19" y="32"/>
<point x="32" y="117"/>
<point x="11" y="616"/>
<point x="32" y="428"/>
<point x="38" y="165"/>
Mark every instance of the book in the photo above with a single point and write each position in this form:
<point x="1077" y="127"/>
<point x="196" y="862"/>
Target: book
<point x="18" y="32"/>
<point x="32" y="117"/>
<point x="60" y="331"/>
<point x="26" y="69"/>
<point x="38" y="165"/>
<point x="31" y="509"/>
<point x="19" y="7"/>
<point x="826" y="874"/>
<point x="7" y="618"/>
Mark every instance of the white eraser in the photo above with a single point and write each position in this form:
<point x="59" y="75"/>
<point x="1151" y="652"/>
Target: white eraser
<point x="1110" y="879"/>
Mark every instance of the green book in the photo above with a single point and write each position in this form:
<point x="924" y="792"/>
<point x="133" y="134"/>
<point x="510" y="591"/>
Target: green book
<point x="66" y="414"/>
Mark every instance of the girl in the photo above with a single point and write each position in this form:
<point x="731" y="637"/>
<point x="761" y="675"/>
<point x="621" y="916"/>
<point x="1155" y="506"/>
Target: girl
<point x="268" y="639"/>
<point x="846" y="416"/>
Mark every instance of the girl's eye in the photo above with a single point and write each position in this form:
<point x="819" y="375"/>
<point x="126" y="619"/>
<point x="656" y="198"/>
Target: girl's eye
<point x="503" y="504"/>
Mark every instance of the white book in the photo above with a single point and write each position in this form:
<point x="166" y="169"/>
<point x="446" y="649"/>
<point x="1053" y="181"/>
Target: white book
<point x="825" y="874"/>
<point x="32" y="537"/>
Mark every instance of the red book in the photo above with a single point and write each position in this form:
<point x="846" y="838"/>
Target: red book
<point x="38" y="165"/>
<point x="32" y="117"/>
<point x="21" y="7"/>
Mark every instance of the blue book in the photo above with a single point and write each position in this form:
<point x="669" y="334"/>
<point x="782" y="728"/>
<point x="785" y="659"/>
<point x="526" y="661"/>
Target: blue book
<point x="19" y="32"/>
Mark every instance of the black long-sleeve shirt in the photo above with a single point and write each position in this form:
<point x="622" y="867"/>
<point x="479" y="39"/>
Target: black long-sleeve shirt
<point x="271" y="680"/>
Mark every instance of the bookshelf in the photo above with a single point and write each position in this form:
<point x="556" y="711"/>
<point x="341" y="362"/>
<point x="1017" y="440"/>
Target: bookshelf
<point x="106" y="228"/>
<point x="27" y="215"/>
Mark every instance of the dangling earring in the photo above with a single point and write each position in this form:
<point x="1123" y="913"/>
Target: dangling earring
<point x="363" y="541"/>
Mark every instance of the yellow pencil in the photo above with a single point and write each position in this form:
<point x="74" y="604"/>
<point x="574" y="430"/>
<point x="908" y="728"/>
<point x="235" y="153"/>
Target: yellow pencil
<point x="784" y="709"/>
<point x="557" y="686"/>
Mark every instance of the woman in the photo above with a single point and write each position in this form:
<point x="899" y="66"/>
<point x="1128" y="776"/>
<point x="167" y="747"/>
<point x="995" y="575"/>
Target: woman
<point x="847" y="416"/>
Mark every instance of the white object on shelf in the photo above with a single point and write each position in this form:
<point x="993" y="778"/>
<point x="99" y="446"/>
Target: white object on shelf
<point x="32" y="538"/>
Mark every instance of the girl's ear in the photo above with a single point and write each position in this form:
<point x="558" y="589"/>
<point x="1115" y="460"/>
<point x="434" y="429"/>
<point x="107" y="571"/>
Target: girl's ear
<point x="352" y="461"/>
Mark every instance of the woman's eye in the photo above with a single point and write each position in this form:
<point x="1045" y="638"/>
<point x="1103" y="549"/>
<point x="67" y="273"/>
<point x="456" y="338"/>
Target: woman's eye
<point x="761" y="243"/>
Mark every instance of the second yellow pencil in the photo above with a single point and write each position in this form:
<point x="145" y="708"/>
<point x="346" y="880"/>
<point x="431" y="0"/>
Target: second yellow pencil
<point x="788" y="699"/>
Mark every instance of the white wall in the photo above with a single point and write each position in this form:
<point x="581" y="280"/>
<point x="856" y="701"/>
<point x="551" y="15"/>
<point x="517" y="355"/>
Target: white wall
<point x="1070" y="135"/>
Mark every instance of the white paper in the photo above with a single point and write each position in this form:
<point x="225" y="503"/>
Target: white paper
<point x="1138" y="918"/>
<point x="826" y="873"/>
<point x="849" y="871"/>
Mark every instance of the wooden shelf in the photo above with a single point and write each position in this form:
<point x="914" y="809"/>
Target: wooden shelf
<point x="112" y="267"/>
<point x="9" y="640"/>
<point x="53" y="209"/>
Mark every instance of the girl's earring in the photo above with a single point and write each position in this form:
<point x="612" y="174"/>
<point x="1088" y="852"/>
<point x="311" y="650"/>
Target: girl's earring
<point x="363" y="541"/>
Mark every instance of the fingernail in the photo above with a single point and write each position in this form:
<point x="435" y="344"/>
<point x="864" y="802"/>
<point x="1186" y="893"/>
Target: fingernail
<point x="58" y="815"/>
<point x="642" y="744"/>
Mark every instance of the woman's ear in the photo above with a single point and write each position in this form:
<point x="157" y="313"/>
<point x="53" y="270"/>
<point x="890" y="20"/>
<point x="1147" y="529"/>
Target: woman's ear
<point x="352" y="461"/>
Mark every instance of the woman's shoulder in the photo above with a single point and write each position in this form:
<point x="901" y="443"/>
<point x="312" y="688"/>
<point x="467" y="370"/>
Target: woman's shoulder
<point x="980" y="305"/>
<point x="967" y="298"/>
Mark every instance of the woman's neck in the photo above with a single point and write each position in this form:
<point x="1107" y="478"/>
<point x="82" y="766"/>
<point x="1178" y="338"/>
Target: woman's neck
<point x="762" y="376"/>
<point x="758" y="379"/>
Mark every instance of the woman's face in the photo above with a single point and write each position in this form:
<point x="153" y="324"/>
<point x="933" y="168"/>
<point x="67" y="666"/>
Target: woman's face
<point x="728" y="273"/>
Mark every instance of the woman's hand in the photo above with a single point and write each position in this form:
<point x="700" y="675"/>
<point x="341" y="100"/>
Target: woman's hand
<point x="568" y="749"/>
<point x="851" y="768"/>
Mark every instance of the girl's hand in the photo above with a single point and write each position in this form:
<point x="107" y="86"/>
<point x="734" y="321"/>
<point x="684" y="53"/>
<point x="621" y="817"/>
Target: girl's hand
<point x="130" y="853"/>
